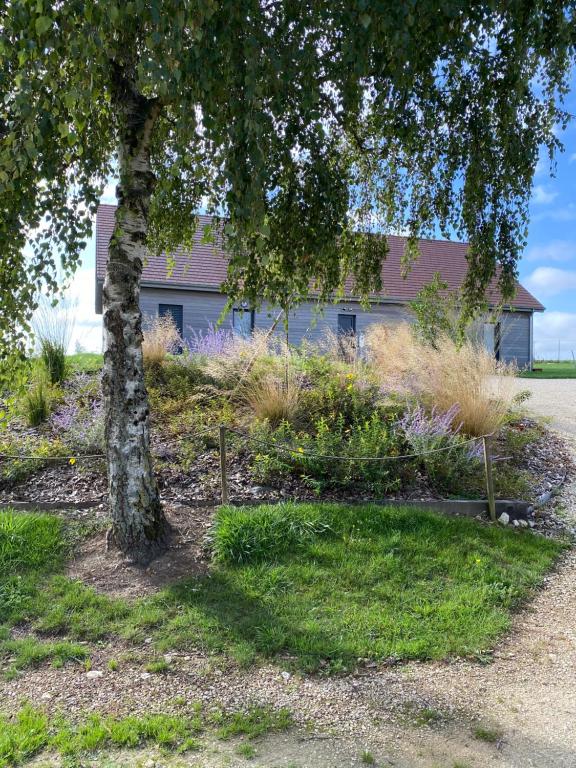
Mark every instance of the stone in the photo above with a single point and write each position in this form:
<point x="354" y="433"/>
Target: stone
<point x="94" y="674"/>
<point x="286" y="676"/>
<point x="504" y="518"/>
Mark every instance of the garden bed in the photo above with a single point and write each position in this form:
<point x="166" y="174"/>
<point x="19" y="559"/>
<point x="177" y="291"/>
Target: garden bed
<point x="287" y="410"/>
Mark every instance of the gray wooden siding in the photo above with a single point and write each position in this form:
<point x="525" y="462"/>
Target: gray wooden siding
<point x="203" y="309"/>
<point x="515" y="338"/>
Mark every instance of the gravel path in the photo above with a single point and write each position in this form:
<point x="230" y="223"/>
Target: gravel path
<point x="553" y="398"/>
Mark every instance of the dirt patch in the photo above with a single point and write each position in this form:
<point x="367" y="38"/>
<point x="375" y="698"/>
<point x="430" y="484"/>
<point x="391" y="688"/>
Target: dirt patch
<point x="110" y="573"/>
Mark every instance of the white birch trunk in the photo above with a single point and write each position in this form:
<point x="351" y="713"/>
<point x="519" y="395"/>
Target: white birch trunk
<point x="139" y="527"/>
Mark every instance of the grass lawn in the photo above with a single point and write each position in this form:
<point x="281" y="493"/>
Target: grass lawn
<point x="319" y="584"/>
<point x="85" y="362"/>
<point x="562" y="370"/>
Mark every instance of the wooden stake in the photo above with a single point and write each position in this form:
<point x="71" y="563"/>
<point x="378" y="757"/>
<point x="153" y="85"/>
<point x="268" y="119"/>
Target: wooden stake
<point x="489" y="479"/>
<point x="223" y="477"/>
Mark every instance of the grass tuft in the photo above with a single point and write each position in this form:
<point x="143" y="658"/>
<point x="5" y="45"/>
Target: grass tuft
<point x="490" y="735"/>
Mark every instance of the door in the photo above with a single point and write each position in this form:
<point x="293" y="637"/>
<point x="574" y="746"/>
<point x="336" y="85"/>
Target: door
<point x="490" y="337"/>
<point x="243" y="322"/>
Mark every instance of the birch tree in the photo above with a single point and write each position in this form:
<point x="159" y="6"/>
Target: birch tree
<point x="306" y="125"/>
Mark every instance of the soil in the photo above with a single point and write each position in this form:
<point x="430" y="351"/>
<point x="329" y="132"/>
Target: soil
<point x="108" y="572"/>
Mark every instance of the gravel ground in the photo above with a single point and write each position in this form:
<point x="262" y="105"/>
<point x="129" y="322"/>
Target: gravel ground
<point x="554" y="399"/>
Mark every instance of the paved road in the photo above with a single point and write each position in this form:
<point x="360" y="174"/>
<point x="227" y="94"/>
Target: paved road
<point x="553" y="398"/>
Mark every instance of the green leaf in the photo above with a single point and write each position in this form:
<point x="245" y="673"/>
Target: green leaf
<point x="43" y="24"/>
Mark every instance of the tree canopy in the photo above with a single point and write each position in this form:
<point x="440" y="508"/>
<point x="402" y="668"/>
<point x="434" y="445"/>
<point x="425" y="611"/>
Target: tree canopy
<point x="306" y="124"/>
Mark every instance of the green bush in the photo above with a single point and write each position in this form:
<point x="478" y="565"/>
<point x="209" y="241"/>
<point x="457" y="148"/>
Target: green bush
<point x="53" y="356"/>
<point x="345" y="394"/>
<point x="37" y="403"/>
<point x="305" y="452"/>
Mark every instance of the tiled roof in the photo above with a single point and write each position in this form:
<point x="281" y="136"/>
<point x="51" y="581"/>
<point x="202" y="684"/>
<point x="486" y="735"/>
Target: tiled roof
<point x="205" y="267"/>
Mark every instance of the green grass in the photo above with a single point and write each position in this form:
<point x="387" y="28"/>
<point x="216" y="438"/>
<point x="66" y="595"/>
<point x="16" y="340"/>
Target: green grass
<point x="324" y="584"/>
<point x="490" y="735"/>
<point x="550" y="370"/>
<point x="85" y="362"/>
<point x="31" y="731"/>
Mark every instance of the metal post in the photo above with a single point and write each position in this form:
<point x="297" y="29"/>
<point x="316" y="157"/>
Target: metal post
<point x="489" y="479"/>
<point x="223" y="478"/>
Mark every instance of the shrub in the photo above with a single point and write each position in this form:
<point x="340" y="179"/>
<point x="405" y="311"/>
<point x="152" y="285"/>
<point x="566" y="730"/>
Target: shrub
<point x="211" y="343"/>
<point x="305" y="452"/>
<point x="160" y="338"/>
<point x="444" y="376"/>
<point x="242" y="359"/>
<point x="37" y="402"/>
<point x="447" y="457"/>
<point x="53" y="357"/>
<point x="82" y="429"/>
<point x="344" y="393"/>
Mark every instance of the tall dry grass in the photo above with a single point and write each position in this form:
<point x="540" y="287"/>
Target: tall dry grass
<point x="160" y="338"/>
<point x="243" y="359"/>
<point x="275" y="398"/>
<point x="466" y="376"/>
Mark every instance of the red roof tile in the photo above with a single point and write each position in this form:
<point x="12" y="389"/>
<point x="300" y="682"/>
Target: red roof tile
<point x="206" y="266"/>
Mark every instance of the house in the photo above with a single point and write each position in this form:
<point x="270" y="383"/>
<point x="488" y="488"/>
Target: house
<point x="191" y="294"/>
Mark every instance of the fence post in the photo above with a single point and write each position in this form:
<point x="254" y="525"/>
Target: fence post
<point x="223" y="477"/>
<point x="489" y="479"/>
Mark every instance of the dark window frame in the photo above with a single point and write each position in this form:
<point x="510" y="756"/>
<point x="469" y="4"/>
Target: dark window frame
<point x="164" y="309"/>
<point x="348" y="331"/>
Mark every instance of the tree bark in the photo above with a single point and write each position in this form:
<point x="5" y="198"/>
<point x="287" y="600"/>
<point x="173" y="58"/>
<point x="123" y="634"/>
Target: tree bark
<point x="139" y="528"/>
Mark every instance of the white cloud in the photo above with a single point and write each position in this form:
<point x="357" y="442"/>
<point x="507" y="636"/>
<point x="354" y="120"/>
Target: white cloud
<point x="541" y="196"/>
<point x="553" y="329"/>
<point x="109" y="193"/>
<point x="567" y="213"/>
<point x="550" y="281"/>
<point x="555" y="250"/>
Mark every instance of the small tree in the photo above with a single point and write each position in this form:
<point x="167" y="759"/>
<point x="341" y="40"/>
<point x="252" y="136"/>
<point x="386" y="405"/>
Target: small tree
<point x="308" y="124"/>
<point x="436" y="311"/>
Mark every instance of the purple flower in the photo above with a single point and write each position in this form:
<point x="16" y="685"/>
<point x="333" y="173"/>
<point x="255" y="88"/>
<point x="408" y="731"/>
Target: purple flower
<point x="418" y="423"/>
<point x="211" y="343"/>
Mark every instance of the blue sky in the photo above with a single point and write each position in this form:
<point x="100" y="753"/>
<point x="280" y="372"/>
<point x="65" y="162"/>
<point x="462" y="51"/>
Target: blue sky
<point x="547" y="269"/>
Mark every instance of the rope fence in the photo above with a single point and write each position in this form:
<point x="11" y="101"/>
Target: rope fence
<point x="223" y="430"/>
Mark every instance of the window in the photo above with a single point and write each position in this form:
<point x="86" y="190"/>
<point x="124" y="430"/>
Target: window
<point x="177" y="313"/>
<point x="346" y="325"/>
<point x="243" y="321"/>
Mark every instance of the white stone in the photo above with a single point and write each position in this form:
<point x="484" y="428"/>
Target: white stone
<point x="504" y="518"/>
<point x="94" y="674"/>
<point x="286" y="676"/>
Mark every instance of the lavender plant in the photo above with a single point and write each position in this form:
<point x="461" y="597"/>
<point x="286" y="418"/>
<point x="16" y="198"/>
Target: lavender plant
<point x="80" y="428"/>
<point x="449" y="459"/>
<point x="211" y="343"/>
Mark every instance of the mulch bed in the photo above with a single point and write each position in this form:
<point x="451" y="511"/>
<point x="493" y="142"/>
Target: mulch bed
<point x="547" y="460"/>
